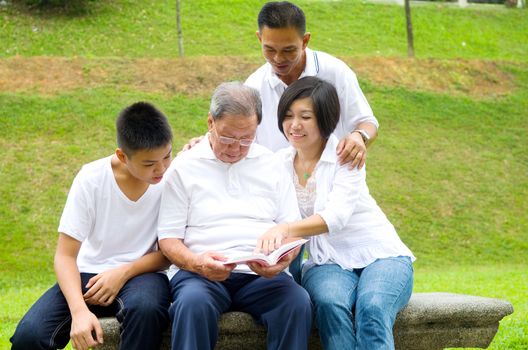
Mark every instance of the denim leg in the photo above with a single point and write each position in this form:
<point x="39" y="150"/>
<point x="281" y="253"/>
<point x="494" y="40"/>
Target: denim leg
<point x="143" y="304"/>
<point x="282" y="306"/>
<point x="385" y="287"/>
<point x="46" y="325"/>
<point x="333" y="292"/>
<point x="195" y="310"/>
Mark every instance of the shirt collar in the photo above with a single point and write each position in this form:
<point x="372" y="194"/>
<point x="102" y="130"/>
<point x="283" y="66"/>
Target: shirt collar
<point x="329" y="153"/>
<point x="204" y="150"/>
<point x="310" y="69"/>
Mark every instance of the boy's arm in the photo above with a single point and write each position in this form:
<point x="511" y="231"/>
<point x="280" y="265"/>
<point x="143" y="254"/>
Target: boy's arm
<point x="104" y="287"/>
<point x="84" y="322"/>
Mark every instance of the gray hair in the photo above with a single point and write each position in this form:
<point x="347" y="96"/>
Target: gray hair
<point x="237" y="99"/>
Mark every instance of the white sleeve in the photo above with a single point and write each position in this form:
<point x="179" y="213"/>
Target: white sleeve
<point x="288" y="210"/>
<point x="355" y="108"/>
<point x="174" y="205"/>
<point x="343" y="197"/>
<point x="78" y="216"/>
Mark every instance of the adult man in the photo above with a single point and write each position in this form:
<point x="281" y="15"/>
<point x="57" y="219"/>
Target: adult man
<point x="282" y="34"/>
<point x="219" y="198"/>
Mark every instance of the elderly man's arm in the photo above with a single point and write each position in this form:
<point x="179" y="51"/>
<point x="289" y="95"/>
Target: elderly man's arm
<point x="208" y="264"/>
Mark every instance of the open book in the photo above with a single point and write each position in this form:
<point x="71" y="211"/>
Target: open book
<point x="267" y="260"/>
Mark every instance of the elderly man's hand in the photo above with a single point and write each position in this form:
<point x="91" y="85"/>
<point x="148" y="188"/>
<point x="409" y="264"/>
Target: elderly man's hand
<point x="274" y="270"/>
<point x="209" y="265"/>
<point x="351" y="149"/>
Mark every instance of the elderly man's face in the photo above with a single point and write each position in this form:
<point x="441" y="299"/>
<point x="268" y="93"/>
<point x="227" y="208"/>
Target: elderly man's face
<point x="227" y="128"/>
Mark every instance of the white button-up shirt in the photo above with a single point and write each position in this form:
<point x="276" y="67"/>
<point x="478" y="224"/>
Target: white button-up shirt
<point x="354" y="106"/>
<point x="216" y="206"/>
<point x="358" y="231"/>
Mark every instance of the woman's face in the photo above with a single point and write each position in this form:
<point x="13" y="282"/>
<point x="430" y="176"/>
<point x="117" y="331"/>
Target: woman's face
<point x="300" y="125"/>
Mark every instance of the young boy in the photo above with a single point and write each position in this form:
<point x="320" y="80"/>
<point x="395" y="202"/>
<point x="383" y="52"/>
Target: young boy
<point x="107" y="260"/>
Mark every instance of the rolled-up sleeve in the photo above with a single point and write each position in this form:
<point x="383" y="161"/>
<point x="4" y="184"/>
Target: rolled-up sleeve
<point x="343" y="197"/>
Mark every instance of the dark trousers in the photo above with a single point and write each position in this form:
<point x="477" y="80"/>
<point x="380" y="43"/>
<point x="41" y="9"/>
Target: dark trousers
<point x="279" y="303"/>
<point x="141" y="307"/>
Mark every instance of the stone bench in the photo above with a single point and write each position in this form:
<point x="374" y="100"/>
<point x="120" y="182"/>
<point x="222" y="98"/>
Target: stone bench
<point x="430" y="321"/>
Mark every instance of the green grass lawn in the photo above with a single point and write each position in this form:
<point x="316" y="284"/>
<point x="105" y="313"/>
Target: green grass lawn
<point x="450" y="171"/>
<point x="216" y="28"/>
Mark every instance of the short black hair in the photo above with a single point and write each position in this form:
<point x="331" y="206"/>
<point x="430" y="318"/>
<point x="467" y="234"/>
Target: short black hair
<point x="324" y="99"/>
<point x="141" y="126"/>
<point x="282" y="14"/>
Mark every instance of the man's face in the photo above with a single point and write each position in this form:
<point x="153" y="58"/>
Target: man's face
<point x="231" y="127"/>
<point x="284" y="49"/>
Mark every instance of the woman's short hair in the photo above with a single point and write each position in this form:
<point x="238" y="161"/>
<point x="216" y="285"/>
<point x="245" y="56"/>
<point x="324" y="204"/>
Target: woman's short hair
<point x="324" y="99"/>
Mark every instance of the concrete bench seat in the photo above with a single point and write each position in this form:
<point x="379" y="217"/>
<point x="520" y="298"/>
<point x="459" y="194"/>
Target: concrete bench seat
<point x="430" y="321"/>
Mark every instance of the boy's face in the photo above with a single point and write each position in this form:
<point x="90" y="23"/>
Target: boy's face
<point x="149" y="165"/>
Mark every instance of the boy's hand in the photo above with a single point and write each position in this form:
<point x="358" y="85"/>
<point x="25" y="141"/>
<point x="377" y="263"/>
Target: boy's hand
<point x="103" y="287"/>
<point x="84" y="325"/>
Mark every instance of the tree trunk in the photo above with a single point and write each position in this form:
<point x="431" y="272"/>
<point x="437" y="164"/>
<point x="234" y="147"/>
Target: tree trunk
<point x="180" y="32"/>
<point x="410" y="39"/>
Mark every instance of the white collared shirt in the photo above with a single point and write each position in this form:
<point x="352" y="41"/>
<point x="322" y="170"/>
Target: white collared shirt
<point x="216" y="206"/>
<point x="358" y="231"/>
<point x="354" y="106"/>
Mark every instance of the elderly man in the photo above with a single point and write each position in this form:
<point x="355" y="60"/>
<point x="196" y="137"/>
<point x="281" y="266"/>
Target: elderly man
<point x="219" y="198"/>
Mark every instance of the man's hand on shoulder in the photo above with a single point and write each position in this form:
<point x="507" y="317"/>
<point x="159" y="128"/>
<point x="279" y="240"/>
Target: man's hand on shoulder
<point x="104" y="287"/>
<point x="192" y="142"/>
<point x="84" y="325"/>
<point x="209" y="265"/>
<point x="351" y="149"/>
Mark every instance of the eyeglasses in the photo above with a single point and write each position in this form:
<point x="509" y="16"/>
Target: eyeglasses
<point x="230" y="140"/>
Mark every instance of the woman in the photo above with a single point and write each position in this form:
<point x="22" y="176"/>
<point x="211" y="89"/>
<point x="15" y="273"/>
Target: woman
<point x="359" y="273"/>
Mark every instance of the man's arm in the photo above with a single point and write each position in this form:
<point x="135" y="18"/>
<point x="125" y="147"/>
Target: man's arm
<point x="208" y="264"/>
<point x="352" y="148"/>
<point x="84" y="322"/>
<point x="104" y="287"/>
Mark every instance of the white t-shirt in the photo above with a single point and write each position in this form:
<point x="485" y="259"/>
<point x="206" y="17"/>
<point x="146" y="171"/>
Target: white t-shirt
<point x="358" y="231"/>
<point x="113" y="229"/>
<point x="354" y="106"/>
<point x="216" y="206"/>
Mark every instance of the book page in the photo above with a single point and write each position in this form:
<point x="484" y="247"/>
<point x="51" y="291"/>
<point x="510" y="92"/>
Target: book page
<point x="270" y="259"/>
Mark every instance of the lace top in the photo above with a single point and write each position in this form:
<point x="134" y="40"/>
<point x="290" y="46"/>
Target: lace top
<point x="305" y="195"/>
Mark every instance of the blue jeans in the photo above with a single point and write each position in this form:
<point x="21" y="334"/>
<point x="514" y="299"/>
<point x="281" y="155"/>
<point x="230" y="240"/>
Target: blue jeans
<point x="278" y="303"/>
<point x="357" y="309"/>
<point x="141" y="307"/>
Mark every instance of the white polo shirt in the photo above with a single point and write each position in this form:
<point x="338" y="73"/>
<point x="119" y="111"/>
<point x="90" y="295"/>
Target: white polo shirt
<point x="354" y="106"/>
<point x="216" y="206"/>
<point x="113" y="230"/>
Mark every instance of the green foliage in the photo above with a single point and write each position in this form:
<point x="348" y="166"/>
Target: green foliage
<point x="344" y="28"/>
